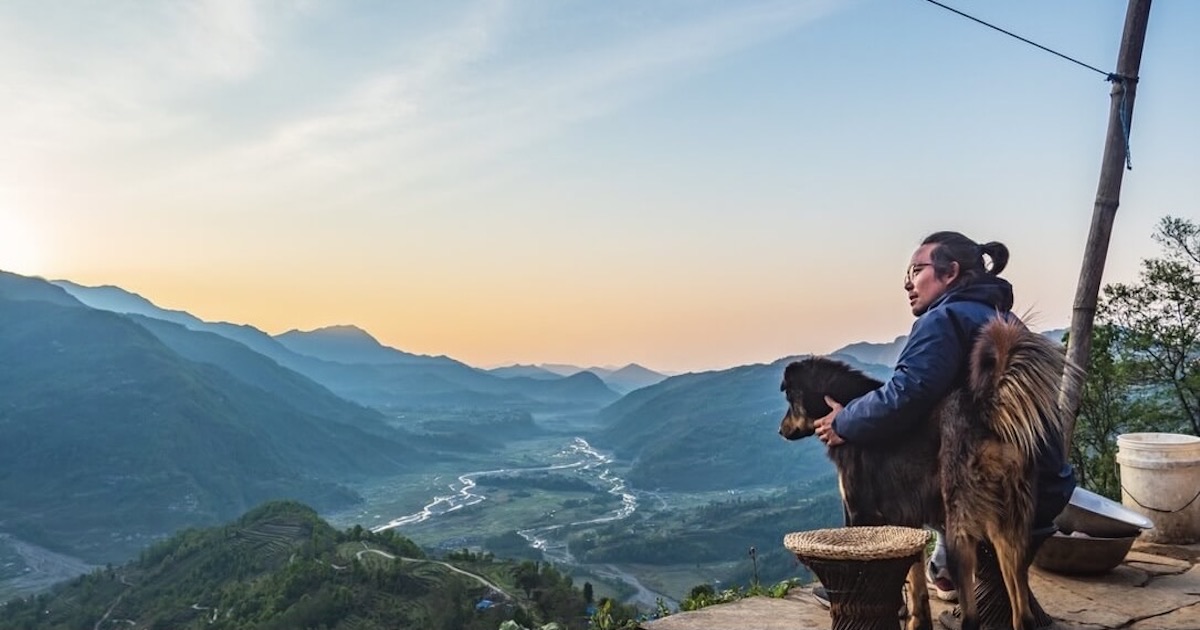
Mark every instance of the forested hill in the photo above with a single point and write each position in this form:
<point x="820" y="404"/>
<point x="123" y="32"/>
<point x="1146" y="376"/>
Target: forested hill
<point x="280" y="567"/>
<point x="105" y="429"/>
<point x="713" y="431"/>
<point x="260" y="371"/>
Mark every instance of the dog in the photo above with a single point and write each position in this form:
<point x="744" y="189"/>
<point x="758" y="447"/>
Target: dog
<point x="967" y="465"/>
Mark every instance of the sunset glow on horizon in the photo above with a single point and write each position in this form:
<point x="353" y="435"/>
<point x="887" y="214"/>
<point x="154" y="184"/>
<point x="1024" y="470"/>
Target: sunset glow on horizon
<point x="686" y="186"/>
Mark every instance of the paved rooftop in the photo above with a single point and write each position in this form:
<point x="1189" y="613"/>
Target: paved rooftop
<point x="1156" y="588"/>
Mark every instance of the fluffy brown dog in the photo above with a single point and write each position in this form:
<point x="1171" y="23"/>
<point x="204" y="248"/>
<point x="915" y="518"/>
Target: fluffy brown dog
<point x="969" y="465"/>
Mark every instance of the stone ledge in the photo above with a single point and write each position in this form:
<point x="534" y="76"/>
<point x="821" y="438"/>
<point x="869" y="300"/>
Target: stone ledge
<point x="1157" y="588"/>
<point x="796" y="611"/>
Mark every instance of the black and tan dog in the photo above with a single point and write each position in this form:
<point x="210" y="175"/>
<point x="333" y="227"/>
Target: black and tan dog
<point x="969" y="465"/>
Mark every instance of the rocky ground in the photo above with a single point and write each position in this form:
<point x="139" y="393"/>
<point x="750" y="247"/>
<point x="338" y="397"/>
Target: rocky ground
<point x="1157" y="587"/>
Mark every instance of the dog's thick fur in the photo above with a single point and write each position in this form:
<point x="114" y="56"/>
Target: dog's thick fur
<point x="968" y="465"/>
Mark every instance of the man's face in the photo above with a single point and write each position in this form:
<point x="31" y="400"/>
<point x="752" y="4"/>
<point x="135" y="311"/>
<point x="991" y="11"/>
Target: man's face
<point x="922" y="282"/>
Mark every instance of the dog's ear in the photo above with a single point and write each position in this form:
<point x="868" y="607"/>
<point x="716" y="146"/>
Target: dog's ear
<point x="791" y="376"/>
<point x="800" y="378"/>
<point x="815" y="405"/>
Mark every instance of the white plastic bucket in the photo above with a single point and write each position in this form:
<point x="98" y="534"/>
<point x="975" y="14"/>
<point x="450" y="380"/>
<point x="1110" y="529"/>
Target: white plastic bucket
<point x="1160" y="478"/>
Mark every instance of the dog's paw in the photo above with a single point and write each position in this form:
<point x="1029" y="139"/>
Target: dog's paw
<point x="919" y="622"/>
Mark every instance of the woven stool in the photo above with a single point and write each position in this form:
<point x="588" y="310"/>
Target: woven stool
<point x="862" y="568"/>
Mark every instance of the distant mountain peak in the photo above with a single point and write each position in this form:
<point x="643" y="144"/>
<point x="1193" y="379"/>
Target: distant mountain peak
<point x="531" y="371"/>
<point x="561" y="369"/>
<point x="341" y="331"/>
<point x="628" y="378"/>
<point x="346" y="343"/>
<point x="633" y="369"/>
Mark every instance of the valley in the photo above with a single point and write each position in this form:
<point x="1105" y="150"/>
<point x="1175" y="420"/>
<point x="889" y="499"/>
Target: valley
<point x="26" y="568"/>
<point x="644" y="487"/>
<point x="542" y="491"/>
<point x="543" y="497"/>
<point x="525" y="484"/>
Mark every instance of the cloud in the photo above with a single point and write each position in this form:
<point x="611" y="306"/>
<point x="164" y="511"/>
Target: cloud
<point x="160" y="90"/>
<point x="85" y="87"/>
<point x="469" y="98"/>
<point x="392" y="105"/>
<point x="220" y="38"/>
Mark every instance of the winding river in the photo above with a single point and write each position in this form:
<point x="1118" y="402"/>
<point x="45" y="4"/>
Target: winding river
<point x="581" y="456"/>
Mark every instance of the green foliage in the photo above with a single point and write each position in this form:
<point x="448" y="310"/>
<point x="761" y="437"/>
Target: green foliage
<point x="1156" y="326"/>
<point x="1144" y="368"/>
<point x="1109" y="406"/>
<point x="281" y="567"/>
<point x="612" y="616"/>
<point x="513" y="625"/>
<point x="511" y="545"/>
<point x="704" y="595"/>
<point x="466" y="555"/>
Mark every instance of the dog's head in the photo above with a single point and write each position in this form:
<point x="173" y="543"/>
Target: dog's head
<point x="806" y="384"/>
<point x="804" y="388"/>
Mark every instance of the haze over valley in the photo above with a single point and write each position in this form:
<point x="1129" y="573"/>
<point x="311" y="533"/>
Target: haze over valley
<point x="124" y="423"/>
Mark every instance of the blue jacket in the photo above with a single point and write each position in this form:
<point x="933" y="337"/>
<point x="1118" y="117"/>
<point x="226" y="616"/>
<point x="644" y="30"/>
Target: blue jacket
<point x="933" y="362"/>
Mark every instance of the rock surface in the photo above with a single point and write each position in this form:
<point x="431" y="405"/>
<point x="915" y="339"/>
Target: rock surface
<point x="1156" y="588"/>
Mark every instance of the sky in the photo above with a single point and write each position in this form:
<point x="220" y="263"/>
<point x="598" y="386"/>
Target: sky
<point x="687" y="185"/>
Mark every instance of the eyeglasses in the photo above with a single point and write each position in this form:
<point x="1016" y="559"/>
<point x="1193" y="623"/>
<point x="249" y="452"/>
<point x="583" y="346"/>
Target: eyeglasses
<point x="914" y="270"/>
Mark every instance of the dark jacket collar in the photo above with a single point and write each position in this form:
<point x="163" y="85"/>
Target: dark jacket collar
<point x="990" y="290"/>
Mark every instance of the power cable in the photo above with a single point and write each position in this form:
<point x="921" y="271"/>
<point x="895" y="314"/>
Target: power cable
<point x="1111" y="77"/>
<point x="1107" y="75"/>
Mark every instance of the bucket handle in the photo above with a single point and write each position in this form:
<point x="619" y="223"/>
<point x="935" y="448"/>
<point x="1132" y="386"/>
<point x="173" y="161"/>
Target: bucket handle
<point x="1154" y="509"/>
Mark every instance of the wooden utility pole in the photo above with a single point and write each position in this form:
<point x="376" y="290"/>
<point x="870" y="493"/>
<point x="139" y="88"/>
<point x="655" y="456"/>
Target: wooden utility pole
<point x="1108" y="197"/>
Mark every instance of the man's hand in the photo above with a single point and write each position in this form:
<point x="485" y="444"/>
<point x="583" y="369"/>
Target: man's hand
<point x="824" y="426"/>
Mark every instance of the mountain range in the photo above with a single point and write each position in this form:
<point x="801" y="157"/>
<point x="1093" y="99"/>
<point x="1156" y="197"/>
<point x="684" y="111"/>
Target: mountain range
<point x="354" y="365"/>
<point x="111" y="423"/>
<point x="121" y="422"/>
<point x="622" y="380"/>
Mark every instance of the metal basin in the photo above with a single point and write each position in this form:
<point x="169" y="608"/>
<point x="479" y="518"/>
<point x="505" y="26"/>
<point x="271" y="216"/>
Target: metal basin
<point x="1082" y="555"/>
<point x="1096" y="515"/>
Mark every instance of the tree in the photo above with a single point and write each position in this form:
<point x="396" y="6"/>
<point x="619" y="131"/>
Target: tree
<point x="1107" y="408"/>
<point x="526" y="577"/>
<point x="1155" y="324"/>
<point x="1144" y="368"/>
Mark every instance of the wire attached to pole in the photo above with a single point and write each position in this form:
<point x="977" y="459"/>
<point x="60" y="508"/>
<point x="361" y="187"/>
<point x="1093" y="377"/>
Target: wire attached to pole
<point x="1015" y="36"/>
<point x="1124" y="82"/>
<point x="1112" y="77"/>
